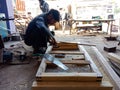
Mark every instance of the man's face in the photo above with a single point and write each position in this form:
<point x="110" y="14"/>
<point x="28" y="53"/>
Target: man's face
<point x="51" y="20"/>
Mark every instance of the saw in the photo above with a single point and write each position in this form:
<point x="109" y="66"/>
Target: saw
<point x="53" y="60"/>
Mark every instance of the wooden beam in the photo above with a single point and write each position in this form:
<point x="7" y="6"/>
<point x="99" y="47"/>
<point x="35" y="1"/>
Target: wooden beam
<point x="67" y="52"/>
<point x="71" y="86"/>
<point x="41" y="68"/>
<point x="66" y="46"/>
<point x="68" y="77"/>
<point x="87" y="57"/>
<point x="85" y="44"/>
<point x="115" y="79"/>
<point x="43" y="65"/>
<point x="114" y="57"/>
<point x="116" y="67"/>
<point x="77" y="62"/>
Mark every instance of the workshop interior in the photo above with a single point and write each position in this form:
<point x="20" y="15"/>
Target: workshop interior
<point x="84" y="56"/>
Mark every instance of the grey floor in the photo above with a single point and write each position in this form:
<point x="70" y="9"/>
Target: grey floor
<point x="21" y="77"/>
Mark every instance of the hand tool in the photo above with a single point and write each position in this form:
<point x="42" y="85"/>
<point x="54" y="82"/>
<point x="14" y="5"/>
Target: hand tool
<point x="53" y="60"/>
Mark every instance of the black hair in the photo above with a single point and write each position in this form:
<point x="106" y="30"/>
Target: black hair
<point x="55" y="13"/>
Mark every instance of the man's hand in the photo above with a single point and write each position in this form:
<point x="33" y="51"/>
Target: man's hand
<point x="52" y="41"/>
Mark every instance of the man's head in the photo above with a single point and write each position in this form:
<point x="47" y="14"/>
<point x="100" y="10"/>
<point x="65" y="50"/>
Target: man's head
<point x="41" y="2"/>
<point x="53" y="16"/>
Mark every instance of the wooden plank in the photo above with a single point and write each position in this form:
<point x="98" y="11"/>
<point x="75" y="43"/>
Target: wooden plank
<point x="71" y="86"/>
<point x="69" y="43"/>
<point x="86" y="44"/>
<point x="115" y="67"/>
<point x="43" y="65"/>
<point x="69" y="57"/>
<point x="66" y="46"/>
<point x="67" y="52"/>
<point x="67" y="77"/>
<point x="79" y="43"/>
<point x="114" y="57"/>
<point x="115" y="79"/>
<point x="87" y="57"/>
<point x="41" y="68"/>
<point x="78" y="62"/>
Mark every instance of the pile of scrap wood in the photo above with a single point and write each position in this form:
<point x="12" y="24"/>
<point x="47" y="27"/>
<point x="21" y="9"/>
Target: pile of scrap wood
<point x="82" y="73"/>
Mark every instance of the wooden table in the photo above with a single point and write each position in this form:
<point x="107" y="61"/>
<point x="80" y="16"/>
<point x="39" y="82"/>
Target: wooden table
<point x="108" y="21"/>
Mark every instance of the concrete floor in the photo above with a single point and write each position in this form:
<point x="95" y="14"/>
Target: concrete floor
<point x="20" y="77"/>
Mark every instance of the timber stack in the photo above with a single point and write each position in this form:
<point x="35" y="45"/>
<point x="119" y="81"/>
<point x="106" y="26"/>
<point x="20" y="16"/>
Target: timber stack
<point x="82" y="73"/>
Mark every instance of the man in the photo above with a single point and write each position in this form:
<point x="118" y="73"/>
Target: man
<point x="38" y="34"/>
<point x="44" y="6"/>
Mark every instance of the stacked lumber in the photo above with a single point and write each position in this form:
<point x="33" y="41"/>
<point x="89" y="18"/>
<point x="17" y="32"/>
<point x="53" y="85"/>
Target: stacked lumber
<point x="115" y="62"/>
<point x="114" y="78"/>
<point x="82" y="74"/>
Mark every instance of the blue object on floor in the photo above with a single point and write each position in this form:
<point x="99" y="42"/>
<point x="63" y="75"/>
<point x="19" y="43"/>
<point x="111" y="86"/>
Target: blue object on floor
<point x="3" y="27"/>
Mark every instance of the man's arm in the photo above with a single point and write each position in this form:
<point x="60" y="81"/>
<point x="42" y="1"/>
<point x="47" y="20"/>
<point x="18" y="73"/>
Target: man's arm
<point x="40" y="24"/>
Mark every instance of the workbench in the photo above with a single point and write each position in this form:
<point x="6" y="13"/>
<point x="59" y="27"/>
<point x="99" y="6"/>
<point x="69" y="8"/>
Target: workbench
<point x="89" y="23"/>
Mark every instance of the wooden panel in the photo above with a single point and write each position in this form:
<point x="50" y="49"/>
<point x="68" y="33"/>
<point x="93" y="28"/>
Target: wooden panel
<point x="69" y="57"/>
<point x="66" y="46"/>
<point x="71" y="86"/>
<point x="67" y="52"/>
<point x="77" y="62"/>
<point x="116" y="67"/>
<point x="114" y="57"/>
<point x="93" y="66"/>
<point x="41" y="68"/>
<point x="67" y="77"/>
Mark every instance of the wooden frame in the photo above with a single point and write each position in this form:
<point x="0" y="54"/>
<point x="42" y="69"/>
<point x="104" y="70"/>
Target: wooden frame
<point x="70" y="80"/>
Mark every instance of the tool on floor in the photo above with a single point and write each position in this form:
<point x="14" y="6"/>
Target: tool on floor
<point x="53" y="60"/>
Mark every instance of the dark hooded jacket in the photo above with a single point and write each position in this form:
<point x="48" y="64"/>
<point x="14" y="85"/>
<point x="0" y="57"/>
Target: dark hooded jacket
<point x="35" y="33"/>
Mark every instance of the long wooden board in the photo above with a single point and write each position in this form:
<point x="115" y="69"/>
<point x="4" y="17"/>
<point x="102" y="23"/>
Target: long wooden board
<point x="66" y="46"/>
<point x="77" y="62"/>
<point x="114" y="57"/>
<point x="71" y="86"/>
